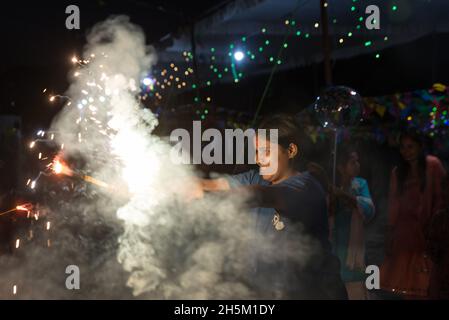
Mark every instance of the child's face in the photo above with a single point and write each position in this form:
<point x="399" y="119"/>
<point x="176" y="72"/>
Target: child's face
<point x="352" y="167"/>
<point x="272" y="159"/>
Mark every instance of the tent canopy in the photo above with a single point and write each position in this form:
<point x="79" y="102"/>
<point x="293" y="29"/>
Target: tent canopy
<point x="288" y="34"/>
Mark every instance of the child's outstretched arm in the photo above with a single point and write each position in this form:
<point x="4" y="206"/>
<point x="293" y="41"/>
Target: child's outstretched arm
<point x="220" y="184"/>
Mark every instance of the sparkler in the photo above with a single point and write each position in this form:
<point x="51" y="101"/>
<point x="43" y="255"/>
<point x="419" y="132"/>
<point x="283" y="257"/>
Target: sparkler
<point x="53" y="97"/>
<point x="112" y="127"/>
<point x="95" y="181"/>
<point x="23" y="207"/>
<point x="95" y="92"/>
<point x="59" y="167"/>
<point x="93" y="121"/>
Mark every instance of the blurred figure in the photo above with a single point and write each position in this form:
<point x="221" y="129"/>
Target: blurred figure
<point x="415" y="196"/>
<point x="352" y="207"/>
<point x="439" y="248"/>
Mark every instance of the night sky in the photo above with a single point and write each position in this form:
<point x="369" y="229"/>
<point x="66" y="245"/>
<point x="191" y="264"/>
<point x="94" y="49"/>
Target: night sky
<point x="37" y="47"/>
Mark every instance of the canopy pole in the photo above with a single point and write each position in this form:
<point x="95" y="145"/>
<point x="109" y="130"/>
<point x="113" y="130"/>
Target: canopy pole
<point x="326" y="43"/>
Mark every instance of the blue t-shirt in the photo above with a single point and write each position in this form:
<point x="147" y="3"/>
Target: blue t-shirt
<point x="262" y="216"/>
<point x="304" y="203"/>
<point x="304" y="212"/>
<point x="342" y="226"/>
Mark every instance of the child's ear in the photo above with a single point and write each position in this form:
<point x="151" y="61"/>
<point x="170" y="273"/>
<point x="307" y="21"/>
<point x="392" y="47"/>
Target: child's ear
<point x="292" y="150"/>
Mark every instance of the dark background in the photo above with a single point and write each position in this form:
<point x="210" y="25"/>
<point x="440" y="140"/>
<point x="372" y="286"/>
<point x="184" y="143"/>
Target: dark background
<point x="36" y="51"/>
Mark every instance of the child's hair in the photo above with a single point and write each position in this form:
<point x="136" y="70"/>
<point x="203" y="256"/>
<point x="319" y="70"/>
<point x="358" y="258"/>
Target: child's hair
<point x="344" y="153"/>
<point x="290" y="132"/>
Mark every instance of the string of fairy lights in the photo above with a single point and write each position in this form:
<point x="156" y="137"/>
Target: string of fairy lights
<point x="254" y="50"/>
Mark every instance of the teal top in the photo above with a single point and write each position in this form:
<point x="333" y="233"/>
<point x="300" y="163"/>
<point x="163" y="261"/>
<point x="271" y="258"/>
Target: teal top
<point x="342" y="227"/>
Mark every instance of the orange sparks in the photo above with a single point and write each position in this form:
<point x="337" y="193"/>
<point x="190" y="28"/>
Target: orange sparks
<point x="95" y="181"/>
<point x="58" y="167"/>
<point x="24" y="207"/>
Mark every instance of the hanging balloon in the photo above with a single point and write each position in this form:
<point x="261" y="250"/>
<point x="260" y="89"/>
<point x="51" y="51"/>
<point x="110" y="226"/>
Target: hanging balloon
<point x="337" y="107"/>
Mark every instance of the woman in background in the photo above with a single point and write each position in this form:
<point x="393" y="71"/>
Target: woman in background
<point x="415" y="196"/>
<point x="352" y="208"/>
<point x="439" y="248"/>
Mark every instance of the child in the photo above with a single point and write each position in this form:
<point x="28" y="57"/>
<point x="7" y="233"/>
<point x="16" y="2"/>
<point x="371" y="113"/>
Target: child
<point x="287" y="200"/>
<point x="352" y="208"/>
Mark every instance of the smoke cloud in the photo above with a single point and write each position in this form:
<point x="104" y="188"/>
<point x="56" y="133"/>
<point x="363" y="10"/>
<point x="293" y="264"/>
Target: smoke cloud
<point x="140" y="237"/>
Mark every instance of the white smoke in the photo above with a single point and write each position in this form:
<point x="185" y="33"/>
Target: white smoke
<point x="170" y="247"/>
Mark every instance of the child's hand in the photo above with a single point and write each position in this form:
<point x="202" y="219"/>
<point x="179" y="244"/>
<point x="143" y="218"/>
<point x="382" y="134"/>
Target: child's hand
<point x="345" y="197"/>
<point x="193" y="190"/>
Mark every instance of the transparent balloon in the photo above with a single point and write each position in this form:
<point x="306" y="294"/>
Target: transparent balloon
<point x="337" y="107"/>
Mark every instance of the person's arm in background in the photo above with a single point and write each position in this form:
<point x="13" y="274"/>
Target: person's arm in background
<point x="431" y="227"/>
<point x="438" y="175"/>
<point x="346" y="198"/>
<point x="364" y="200"/>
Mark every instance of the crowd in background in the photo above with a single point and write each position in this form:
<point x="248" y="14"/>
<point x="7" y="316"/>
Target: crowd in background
<point x="398" y="188"/>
